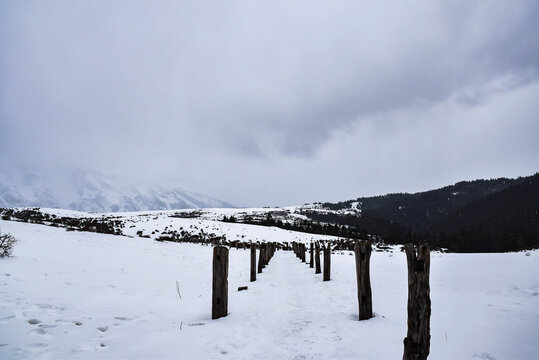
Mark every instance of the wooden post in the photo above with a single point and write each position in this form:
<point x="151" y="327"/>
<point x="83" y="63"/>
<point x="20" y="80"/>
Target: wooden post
<point x="327" y="262"/>
<point x="311" y="262"/>
<point x="317" y="258"/>
<point x="253" y="262"/>
<point x="220" y="282"/>
<point x="261" y="258"/>
<point x="417" y="340"/>
<point x="363" y="251"/>
<point x="263" y="254"/>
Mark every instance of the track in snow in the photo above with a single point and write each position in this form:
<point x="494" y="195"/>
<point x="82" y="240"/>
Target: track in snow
<point x="86" y="295"/>
<point x="290" y="313"/>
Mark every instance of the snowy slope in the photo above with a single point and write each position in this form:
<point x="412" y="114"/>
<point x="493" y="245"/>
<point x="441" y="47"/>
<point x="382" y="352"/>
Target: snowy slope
<point x="90" y="191"/>
<point x="86" y="295"/>
<point x="202" y="221"/>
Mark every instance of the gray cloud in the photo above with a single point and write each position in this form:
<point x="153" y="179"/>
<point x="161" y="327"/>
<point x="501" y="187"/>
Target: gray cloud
<point x="238" y="98"/>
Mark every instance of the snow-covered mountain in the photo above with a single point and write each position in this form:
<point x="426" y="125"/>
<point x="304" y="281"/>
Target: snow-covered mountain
<point x="91" y="191"/>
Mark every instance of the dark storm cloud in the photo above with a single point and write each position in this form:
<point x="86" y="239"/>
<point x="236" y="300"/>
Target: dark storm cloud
<point x="266" y="89"/>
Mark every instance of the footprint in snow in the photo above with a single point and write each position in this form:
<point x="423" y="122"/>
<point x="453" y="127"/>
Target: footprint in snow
<point x="38" y="331"/>
<point x="78" y="323"/>
<point x="44" y="326"/>
<point x="7" y="318"/>
<point x="34" y="321"/>
<point x="103" y="328"/>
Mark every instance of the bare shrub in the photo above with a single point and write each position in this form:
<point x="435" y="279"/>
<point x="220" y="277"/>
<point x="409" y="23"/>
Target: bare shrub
<point x="7" y="242"/>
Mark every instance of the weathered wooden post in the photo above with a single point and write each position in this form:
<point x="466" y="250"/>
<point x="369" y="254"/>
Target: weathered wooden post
<point x="327" y="262"/>
<point x="417" y="340"/>
<point x="311" y="260"/>
<point x="253" y="262"/>
<point x="264" y="254"/>
<point x="260" y="258"/>
<point x="268" y="253"/>
<point x="317" y="258"/>
<point x="220" y="282"/>
<point x="362" y="250"/>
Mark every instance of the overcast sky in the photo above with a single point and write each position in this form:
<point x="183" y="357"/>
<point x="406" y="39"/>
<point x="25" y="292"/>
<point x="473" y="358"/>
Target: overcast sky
<point x="273" y="102"/>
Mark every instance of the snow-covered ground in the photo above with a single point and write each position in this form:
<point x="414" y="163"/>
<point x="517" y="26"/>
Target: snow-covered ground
<point x="155" y="223"/>
<point x="160" y="222"/>
<point x="86" y="295"/>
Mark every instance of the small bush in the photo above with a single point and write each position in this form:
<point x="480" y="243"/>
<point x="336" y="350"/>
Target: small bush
<point x="7" y="242"/>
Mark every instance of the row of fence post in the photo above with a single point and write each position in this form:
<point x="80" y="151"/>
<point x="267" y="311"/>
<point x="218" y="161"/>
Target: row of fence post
<point x="417" y="341"/>
<point x="266" y="252"/>
<point x="300" y="250"/>
<point x="220" y="273"/>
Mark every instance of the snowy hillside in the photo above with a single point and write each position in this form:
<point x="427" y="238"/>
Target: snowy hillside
<point x="205" y="225"/>
<point x="84" y="295"/>
<point x="90" y="191"/>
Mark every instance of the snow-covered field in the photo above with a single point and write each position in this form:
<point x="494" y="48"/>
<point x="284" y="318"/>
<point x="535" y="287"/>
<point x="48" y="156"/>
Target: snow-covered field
<point x="87" y="295"/>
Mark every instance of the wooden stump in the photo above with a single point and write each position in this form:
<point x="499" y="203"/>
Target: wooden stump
<point x="417" y="340"/>
<point x="317" y="258"/>
<point x="265" y="258"/>
<point x="363" y="251"/>
<point x="327" y="262"/>
<point x="253" y="262"/>
<point x="311" y="260"/>
<point x="220" y="282"/>
<point x="261" y="258"/>
<point x="268" y="254"/>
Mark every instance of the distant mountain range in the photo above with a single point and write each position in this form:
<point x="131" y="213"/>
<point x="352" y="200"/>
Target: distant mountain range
<point x="93" y="192"/>
<point x="469" y="216"/>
